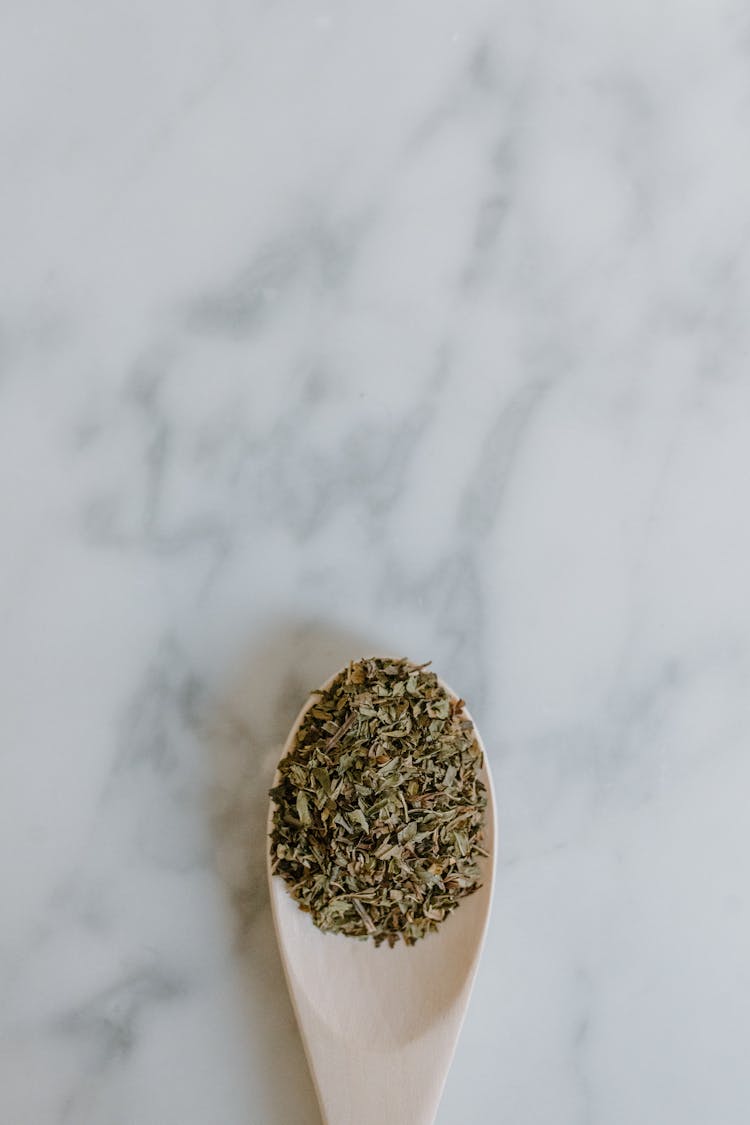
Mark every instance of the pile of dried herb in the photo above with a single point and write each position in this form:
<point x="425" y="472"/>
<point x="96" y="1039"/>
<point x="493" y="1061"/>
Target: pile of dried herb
<point x="378" y="814"/>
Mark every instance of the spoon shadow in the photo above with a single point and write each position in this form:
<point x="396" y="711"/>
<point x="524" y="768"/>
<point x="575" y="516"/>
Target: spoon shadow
<point x="246" y="735"/>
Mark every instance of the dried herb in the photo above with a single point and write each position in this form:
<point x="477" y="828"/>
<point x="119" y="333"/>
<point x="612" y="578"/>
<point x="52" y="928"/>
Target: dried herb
<point x="379" y="809"/>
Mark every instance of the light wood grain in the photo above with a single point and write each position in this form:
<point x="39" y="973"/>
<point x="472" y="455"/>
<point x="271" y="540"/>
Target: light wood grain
<point x="380" y="1025"/>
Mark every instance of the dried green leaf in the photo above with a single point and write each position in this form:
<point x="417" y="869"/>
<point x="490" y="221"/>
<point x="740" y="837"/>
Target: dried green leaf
<point x="378" y="814"/>
<point x="303" y="811"/>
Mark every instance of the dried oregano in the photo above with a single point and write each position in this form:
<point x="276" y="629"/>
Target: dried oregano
<point x="378" y="811"/>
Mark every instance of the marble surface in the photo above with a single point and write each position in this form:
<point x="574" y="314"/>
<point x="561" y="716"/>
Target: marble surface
<point x="334" y="327"/>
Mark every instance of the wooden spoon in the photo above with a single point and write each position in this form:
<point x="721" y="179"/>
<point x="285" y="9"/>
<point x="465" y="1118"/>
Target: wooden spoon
<point x="380" y="1025"/>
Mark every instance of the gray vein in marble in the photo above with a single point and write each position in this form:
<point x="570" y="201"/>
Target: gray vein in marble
<point x="308" y="485"/>
<point x="483" y="496"/>
<point x="153" y="531"/>
<point x="109" y="1022"/>
<point x="321" y="254"/>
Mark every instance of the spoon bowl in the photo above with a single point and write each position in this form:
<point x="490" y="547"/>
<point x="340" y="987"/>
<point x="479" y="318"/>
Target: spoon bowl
<point x="380" y="1025"/>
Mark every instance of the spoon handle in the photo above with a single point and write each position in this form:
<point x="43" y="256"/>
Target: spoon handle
<point x="359" y="1085"/>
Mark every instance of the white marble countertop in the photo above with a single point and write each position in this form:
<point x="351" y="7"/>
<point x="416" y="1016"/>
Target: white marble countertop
<point x="338" y="327"/>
